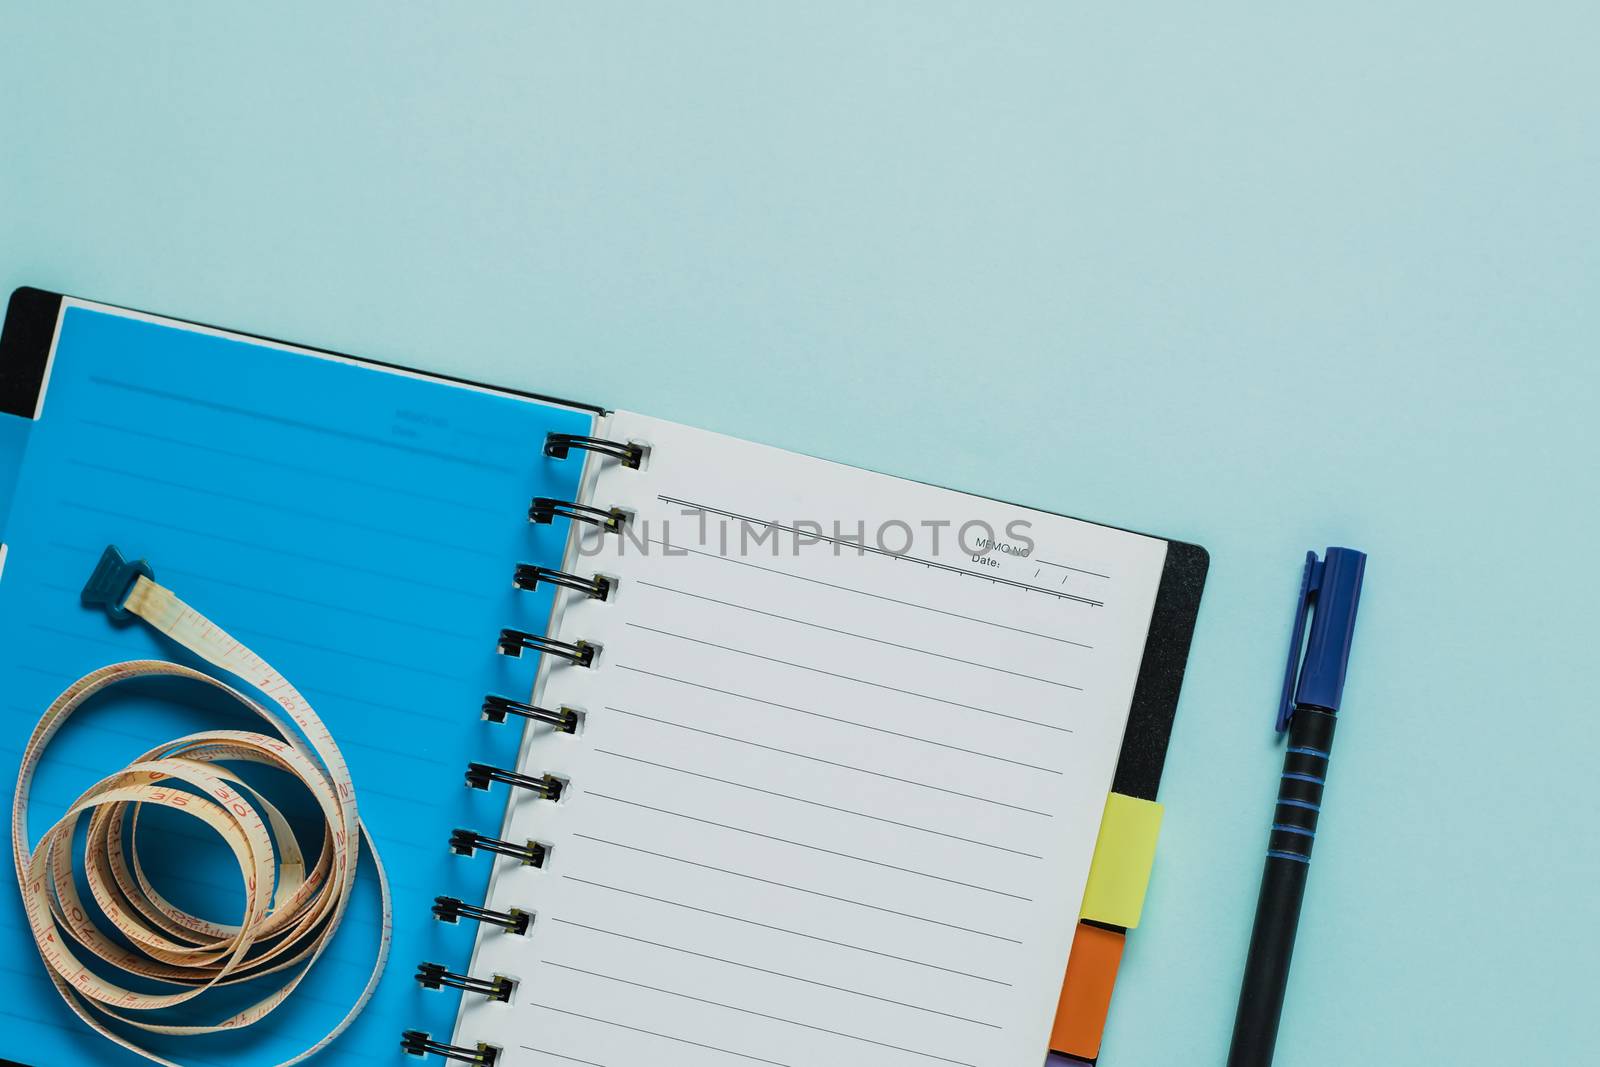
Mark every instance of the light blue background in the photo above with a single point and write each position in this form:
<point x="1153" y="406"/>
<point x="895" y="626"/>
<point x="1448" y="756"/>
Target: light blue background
<point x="1264" y="279"/>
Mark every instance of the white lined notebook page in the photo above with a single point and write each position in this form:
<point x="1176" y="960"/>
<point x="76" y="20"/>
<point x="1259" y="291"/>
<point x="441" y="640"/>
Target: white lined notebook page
<point x="826" y="807"/>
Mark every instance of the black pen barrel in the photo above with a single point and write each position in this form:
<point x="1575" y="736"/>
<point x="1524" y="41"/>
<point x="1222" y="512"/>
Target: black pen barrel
<point x="1266" y="970"/>
<point x="1283" y="886"/>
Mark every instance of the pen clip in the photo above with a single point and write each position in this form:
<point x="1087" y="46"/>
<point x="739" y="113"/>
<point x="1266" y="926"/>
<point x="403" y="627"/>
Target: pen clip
<point x="1310" y="582"/>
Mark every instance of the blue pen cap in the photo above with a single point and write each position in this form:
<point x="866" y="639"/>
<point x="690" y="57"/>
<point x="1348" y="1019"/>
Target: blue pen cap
<point x="1332" y="627"/>
<point x="1330" y="591"/>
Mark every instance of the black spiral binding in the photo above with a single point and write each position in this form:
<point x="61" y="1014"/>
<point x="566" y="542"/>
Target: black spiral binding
<point x="434" y="976"/>
<point x="466" y="842"/>
<point x="452" y="910"/>
<point x="514" y="642"/>
<point x="528" y="577"/>
<point x="480" y="775"/>
<point x="557" y="445"/>
<point x="418" y="1043"/>
<point x="545" y="509"/>
<point x="495" y="709"/>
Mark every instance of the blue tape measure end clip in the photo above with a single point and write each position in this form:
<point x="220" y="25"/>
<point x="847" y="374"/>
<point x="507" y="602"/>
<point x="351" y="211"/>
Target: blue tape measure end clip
<point x="108" y="587"/>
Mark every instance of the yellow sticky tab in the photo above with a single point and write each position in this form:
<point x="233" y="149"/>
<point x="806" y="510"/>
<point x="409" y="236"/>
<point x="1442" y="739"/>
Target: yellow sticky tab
<point x="1122" y="859"/>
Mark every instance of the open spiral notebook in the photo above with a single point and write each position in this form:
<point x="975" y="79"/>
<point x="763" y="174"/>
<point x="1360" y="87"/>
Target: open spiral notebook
<point x="785" y="761"/>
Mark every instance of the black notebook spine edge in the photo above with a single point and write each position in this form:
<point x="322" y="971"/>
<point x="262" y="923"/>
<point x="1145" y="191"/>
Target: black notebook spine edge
<point x="26" y="339"/>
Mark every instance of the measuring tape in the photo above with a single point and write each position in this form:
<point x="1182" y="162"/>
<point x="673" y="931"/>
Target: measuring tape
<point x="290" y="914"/>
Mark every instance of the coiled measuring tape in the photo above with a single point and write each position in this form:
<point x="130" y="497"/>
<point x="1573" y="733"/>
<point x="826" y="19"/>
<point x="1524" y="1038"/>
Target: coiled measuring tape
<point x="290" y="913"/>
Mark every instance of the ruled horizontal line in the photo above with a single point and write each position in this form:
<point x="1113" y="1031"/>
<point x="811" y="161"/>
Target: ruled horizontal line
<point x="560" y="1056"/>
<point x="814" y="848"/>
<point x="28" y="1018"/>
<point x="323" y="697"/>
<point x="279" y="639"/>
<point x="865" y="548"/>
<point x="652" y="1033"/>
<point x="778" y="974"/>
<point x="799" y="889"/>
<point x="1079" y="570"/>
<point x="297" y="468"/>
<point x="324" y="605"/>
<point x="377" y="661"/>
<point x="813" y="803"/>
<point x="786" y="930"/>
<point x="144" y="739"/>
<point x="279" y="507"/>
<point x="858" y="637"/>
<point x="852" y="678"/>
<point x="299" y="424"/>
<point x="758" y="1014"/>
<point x="664" y="544"/>
<point x="340" y="565"/>
<point x="104" y="637"/>
<point x="329" y="696"/>
<point x="837" y="719"/>
<point x="832" y="763"/>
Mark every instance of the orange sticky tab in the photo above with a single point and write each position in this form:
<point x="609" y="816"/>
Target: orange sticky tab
<point x="1086" y="994"/>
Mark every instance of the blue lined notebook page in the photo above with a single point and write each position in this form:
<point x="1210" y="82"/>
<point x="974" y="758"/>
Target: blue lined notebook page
<point x="356" y="527"/>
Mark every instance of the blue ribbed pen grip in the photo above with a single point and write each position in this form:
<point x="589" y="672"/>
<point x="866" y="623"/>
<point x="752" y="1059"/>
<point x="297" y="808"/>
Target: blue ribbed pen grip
<point x="1305" y="771"/>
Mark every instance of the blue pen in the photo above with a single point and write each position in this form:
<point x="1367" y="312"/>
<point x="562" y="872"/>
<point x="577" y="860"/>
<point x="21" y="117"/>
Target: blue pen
<point x="1308" y="711"/>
